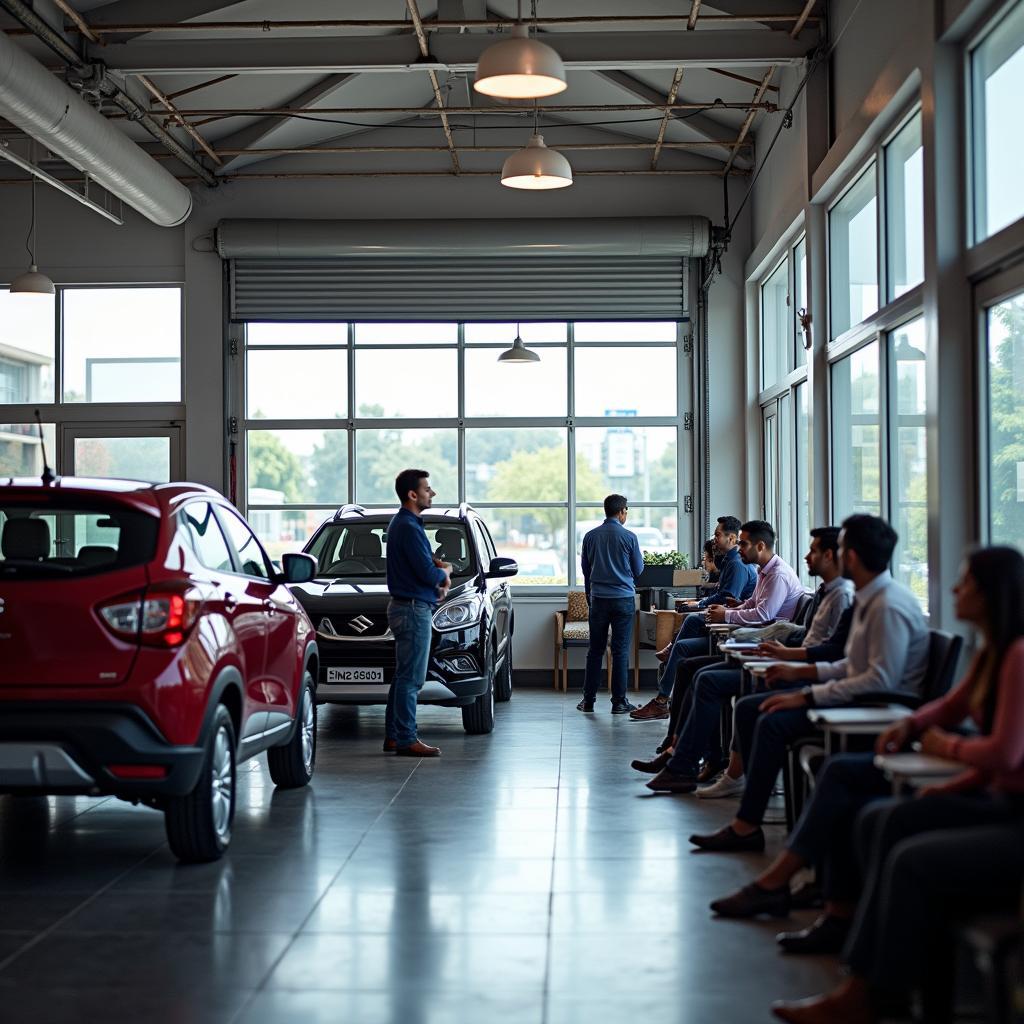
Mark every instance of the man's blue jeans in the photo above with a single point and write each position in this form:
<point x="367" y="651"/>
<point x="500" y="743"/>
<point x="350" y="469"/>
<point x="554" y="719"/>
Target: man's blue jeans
<point x="616" y="613"/>
<point x="711" y="688"/>
<point x="410" y="621"/>
<point x="690" y="642"/>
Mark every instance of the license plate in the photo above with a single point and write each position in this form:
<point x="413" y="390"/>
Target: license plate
<point x="355" y="675"/>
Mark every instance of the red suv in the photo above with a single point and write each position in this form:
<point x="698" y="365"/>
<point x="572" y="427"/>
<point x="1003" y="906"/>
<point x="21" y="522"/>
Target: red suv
<point x="147" y="643"/>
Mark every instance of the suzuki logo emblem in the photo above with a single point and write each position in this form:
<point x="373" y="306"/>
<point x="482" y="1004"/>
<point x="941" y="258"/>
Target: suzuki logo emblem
<point x="360" y="624"/>
<point x="1" y="606"/>
<point x="327" y="627"/>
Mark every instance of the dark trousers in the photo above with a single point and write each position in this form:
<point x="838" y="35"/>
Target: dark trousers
<point x="928" y="860"/>
<point x="763" y="740"/>
<point x="617" y="614"/>
<point x="681" y="691"/>
<point x="700" y="733"/>
<point x="825" y="832"/>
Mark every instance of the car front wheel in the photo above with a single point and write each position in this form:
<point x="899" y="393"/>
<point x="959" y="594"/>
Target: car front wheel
<point x="478" y="717"/>
<point x="291" y="765"/>
<point x="199" y="823"/>
<point x="503" y="679"/>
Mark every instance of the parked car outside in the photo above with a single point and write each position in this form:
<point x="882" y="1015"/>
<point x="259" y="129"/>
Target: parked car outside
<point x="470" y="664"/>
<point x="147" y="646"/>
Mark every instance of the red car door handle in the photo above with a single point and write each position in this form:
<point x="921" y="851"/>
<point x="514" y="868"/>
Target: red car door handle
<point x="230" y="604"/>
<point x="270" y="606"/>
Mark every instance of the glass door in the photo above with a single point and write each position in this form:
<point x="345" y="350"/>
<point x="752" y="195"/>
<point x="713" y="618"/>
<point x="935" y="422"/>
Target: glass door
<point x="135" y="452"/>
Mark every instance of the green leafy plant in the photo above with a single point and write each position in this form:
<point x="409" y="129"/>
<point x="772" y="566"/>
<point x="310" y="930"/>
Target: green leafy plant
<point x="674" y="558"/>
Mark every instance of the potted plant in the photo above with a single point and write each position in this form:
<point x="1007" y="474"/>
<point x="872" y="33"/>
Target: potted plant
<point x="659" y="568"/>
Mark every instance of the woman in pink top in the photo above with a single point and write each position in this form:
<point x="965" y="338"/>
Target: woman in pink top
<point x="958" y="845"/>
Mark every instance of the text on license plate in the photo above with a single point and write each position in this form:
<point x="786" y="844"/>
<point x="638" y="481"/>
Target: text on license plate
<point x="355" y="675"/>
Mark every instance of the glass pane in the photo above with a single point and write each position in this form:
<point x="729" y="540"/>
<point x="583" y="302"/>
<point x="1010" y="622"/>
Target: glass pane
<point x="803" y="482"/>
<point x="856" y="455"/>
<point x="904" y="197"/>
<point x="853" y="255"/>
<point x="800" y="271"/>
<point x="407" y="334"/>
<point x="770" y="457"/>
<point x="515" y="389"/>
<point x="656" y="529"/>
<point x="245" y="546"/>
<point x="382" y="454"/>
<point x="122" y="344"/>
<point x="416" y="383"/>
<point x="909" y="458"/>
<point x="784" y="514"/>
<point x="775" y="326"/>
<point x="504" y="334"/>
<point x="625" y="331"/>
<point x="522" y="465"/>
<point x="295" y="466"/>
<point x="296" y="334"/>
<point x="609" y="381"/>
<point x="296" y="385"/>
<point x="131" y="458"/>
<point x="536" y="538"/>
<point x="998" y="67"/>
<point x="283" y="530"/>
<point x="1006" y="421"/>
<point x="204" y="533"/>
<point x="20" y="451"/>
<point x="639" y="462"/>
<point x="26" y="350"/>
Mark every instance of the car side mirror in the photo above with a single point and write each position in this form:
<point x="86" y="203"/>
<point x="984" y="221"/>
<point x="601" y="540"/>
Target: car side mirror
<point x="501" y="567"/>
<point x="298" y="568"/>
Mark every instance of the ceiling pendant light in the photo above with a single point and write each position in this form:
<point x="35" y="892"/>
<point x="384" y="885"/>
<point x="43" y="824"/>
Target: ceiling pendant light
<point x="518" y="353"/>
<point x="32" y="283"/>
<point x="520" y="68"/>
<point x="536" y="167"/>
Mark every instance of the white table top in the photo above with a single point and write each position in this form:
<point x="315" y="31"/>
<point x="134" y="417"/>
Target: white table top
<point x="838" y="717"/>
<point x="917" y="766"/>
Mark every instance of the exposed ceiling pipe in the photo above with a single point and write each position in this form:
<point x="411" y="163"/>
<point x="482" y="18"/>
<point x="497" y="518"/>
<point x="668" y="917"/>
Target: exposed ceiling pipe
<point x="42" y="106"/>
<point x="98" y="77"/>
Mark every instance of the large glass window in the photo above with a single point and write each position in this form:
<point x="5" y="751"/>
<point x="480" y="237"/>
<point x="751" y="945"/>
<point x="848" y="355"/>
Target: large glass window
<point x="121" y="344"/>
<point x="904" y="208"/>
<point x="856" y="434"/>
<point x="26" y="350"/>
<point x="908" y="450"/>
<point x="1005" y="417"/>
<point x="803" y="480"/>
<point x="800" y="302"/>
<point x="998" y="147"/>
<point x="21" y="453"/>
<point x="633" y="381"/>
<point x="776" y="326"/>
<point x="853" y="255"/>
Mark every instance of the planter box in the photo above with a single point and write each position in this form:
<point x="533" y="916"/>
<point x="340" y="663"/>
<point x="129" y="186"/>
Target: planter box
<point x="656" y="576"/>
<point x="657" y="629"/>
<point x="688" y="577"/>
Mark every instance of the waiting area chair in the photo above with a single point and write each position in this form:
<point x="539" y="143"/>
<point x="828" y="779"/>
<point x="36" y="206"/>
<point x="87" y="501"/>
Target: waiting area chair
<point x="572" y="629"/>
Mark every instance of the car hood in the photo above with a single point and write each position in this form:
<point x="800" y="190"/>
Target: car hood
<point x="326" y="594"/>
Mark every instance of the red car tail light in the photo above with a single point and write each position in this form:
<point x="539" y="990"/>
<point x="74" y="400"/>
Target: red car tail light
<point x="160" y="617"/>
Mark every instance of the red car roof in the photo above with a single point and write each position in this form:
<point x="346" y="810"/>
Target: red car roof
<point x="150" y="496"/>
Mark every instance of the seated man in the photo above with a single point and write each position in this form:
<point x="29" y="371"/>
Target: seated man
<point x="887" y="650"/>
<point x="776" y="596"/>
<point x="831" y="601"/>
<point x="736" y="581"/>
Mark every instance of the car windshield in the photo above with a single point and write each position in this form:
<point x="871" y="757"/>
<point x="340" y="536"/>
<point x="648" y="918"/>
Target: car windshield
<point x="360" y="550"/>
<point x="66" y="537"/>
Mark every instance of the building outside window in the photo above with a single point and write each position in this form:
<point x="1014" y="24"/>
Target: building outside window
<point x="853" y="254"/>
<point x="904" y="201"/>
<point x="856" y="434"/>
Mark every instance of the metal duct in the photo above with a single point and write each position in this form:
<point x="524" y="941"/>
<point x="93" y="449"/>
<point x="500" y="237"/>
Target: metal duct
<point x="42" y="106"/>
<point x="431" y="239"/>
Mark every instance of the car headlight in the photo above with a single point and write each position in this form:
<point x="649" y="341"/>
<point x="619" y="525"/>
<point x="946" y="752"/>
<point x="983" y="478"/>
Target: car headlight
<point x="460" y="613"/>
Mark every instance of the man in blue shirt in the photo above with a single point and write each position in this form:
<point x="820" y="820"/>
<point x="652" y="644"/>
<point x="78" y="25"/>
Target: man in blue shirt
<point x="735" y="583"/>
<point x="611" y="563"/>
<point x="416" y="582"/>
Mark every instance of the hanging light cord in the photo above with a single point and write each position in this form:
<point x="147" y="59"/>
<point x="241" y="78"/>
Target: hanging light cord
<point x="31" y="236"/>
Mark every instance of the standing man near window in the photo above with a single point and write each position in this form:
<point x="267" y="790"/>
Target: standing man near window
<point x="416" y="582"/>
<point x="611" y="564"/>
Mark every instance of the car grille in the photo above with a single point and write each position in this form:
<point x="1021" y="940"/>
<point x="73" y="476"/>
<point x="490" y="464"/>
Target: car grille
<point x="353" y="626"/>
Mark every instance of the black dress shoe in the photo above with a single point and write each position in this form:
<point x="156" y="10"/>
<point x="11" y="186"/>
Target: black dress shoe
<point x="585" y="705"/>
<point x="826" y="935"/>
<point x="727" y="841"/>
<point x="807" y="897"/>
<point x="622" y="707"/>
<point x="668" y="782"/>
<point x="652" y="767"/>
<point x="752" y="900"/>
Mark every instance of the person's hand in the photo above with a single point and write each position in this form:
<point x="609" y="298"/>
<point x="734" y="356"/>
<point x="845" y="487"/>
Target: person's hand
<point x="716" y="614"/>
<point x="442" y="591"/>
<point x="895" y="737"/>
<point x="773" y="649"/>
<point x="731" y="602"/>
<point x="776" y="674"/>
<point x="935" y="741"/>
<point x="784" y="702"/>
<point x="442" y="564"/>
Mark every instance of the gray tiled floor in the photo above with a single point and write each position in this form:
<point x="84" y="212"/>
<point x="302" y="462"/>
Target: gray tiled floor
<point x="526" y="876"/>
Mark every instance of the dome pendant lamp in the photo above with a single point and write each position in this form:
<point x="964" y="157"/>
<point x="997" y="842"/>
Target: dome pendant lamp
<point x="518" y="353"/>
<point x="520" y="68"/>
<point x="32" y="283"/>
<point x="535" y="166"/>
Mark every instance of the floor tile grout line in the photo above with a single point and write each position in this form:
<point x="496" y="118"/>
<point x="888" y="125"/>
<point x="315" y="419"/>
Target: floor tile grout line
<point x="261" y="987"/>
<point x="546" y="986"/>
<point x="36" y="939"/>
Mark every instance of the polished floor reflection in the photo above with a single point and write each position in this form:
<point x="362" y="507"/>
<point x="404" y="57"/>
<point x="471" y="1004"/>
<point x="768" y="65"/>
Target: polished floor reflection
<point x="526" y="876"/>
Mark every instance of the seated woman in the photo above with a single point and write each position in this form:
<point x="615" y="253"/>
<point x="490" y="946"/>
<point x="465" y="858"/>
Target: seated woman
<point x="711" y="560"/>
<point x="990" y="596"/>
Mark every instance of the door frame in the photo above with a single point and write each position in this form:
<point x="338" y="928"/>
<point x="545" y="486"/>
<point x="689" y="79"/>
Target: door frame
<point x="68" y="433"/>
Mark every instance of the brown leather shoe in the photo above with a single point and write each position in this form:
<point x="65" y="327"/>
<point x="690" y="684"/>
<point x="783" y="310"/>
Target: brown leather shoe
<point x="390" y="746"/>
<point x="654" y="766"/>
<point x="418" y="749"/>
<point x="656" y="708"/>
